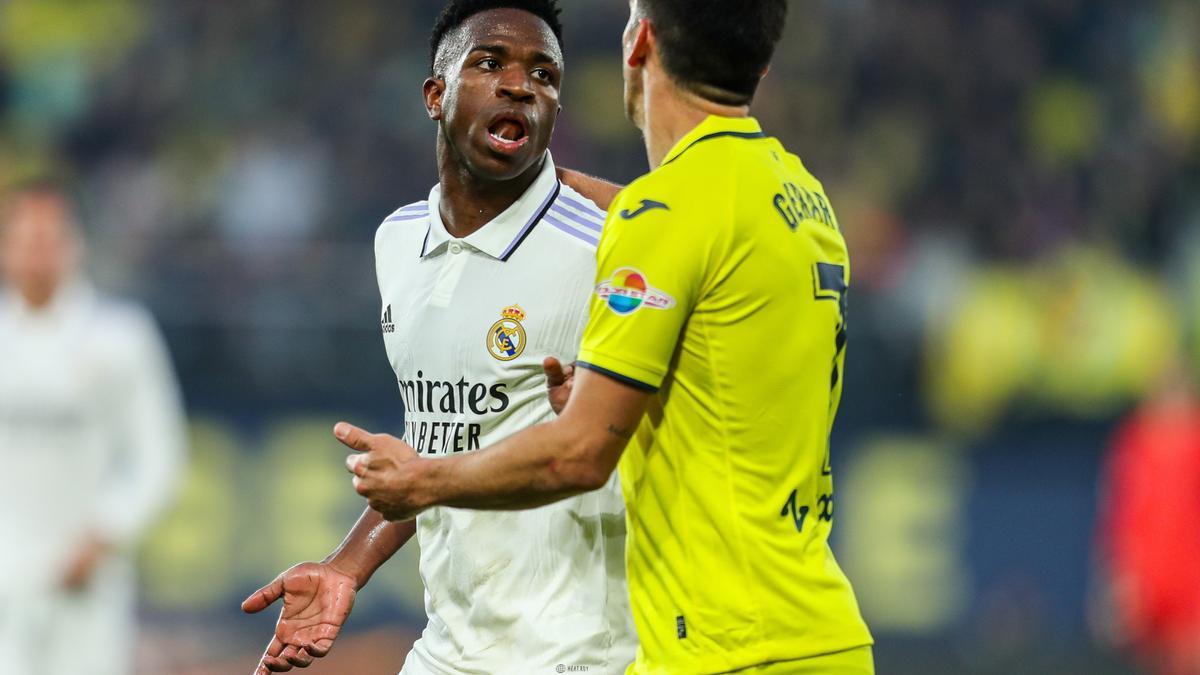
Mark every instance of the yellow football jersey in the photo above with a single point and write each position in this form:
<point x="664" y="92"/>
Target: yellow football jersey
<point x="721" y="284"/>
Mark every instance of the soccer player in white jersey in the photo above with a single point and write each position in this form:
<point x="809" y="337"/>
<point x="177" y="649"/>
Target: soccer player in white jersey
<point x="479" y="284"/>
<point x="91" y="443"/>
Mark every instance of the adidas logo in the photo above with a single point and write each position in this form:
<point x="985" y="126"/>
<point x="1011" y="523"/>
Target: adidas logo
<point x="386" y="321"/>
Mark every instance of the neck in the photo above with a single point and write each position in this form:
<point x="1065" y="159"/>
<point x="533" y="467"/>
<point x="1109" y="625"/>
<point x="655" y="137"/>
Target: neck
<point x="469" y="201"/>
<point x="672" y="112"/>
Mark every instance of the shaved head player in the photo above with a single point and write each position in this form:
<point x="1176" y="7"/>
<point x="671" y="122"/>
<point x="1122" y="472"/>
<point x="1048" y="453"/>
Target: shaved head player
<point x="726" y="256"/>
<point x="480" y="283"/>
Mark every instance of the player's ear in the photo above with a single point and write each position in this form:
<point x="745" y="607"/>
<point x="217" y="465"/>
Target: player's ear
<point x="639" y="50"/>
<point x="434" y="89"/>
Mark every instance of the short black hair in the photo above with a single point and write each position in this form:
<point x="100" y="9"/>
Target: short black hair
<point x="458" y="11"/>
<point x="718" y="49"/>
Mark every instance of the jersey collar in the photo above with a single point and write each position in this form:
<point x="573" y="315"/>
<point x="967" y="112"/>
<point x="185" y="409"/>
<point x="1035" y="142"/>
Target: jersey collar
<point x="504" y="233"/>
<point x="73" y="294"/>
<point x="715" y="127"/>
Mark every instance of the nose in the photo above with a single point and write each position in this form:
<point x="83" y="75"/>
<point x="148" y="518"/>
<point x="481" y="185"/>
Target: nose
<point x="515" y="85"/>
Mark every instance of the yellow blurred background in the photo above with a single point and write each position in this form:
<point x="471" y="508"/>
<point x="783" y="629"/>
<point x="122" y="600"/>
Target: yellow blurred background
<point x="1019" y="184"/>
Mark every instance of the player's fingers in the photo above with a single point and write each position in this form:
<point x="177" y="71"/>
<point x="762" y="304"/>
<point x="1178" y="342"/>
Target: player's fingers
<point x="357" y="465"/>
<point x="299" y="657"/>
<point x="276" y="665"/>
<point x="289" y="653"/>
<point x="270" y="656"/>
<point x="320" y="648"/>
<point x="353" y="437"/>
<point x="569" y="371"/>
<point x="279" y="662"/>
<point x="554" y="372"/>
<point x="263" y="597"/>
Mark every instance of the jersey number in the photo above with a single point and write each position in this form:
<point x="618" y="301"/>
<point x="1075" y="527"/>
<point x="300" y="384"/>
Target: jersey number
<point x="830" y="283"/>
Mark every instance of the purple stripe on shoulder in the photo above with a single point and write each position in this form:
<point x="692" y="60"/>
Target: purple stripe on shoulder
<point x="588" y="208"/>
<point x="589" y="216"/>
<point x="407" y="217"/>
<point x="589" y="213"/>
<point x="582" y="236"/>
<point x="415" y="206"/>
<point x="576" y="218"/>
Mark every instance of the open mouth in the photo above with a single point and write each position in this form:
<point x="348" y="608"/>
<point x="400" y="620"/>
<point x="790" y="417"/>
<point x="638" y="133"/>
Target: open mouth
<point x="508" y="134"/>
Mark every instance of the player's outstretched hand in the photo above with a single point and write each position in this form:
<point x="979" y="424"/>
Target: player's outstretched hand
<point x="385" y="471"/>
<point x="559" y="381"/>
<point x="317" y="599"/>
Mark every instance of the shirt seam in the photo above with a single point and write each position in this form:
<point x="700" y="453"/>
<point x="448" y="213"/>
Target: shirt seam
<point x="723" y="406"/>
<point x="739" y="135"/>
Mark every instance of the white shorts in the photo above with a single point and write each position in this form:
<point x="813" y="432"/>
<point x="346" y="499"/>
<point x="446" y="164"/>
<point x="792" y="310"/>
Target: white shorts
<point x="58" y="633"/>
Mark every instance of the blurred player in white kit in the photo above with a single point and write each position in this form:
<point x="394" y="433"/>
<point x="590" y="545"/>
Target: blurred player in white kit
<point x="91" y="446"/>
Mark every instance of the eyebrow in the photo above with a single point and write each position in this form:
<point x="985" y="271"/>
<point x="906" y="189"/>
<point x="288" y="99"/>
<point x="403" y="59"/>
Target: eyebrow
<point x="501" y="50"/>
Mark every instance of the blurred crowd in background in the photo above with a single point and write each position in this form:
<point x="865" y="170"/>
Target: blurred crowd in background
<point x="1018" y="182"/>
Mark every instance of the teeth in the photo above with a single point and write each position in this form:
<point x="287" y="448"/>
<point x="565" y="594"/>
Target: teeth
<point x="507" y="130"/>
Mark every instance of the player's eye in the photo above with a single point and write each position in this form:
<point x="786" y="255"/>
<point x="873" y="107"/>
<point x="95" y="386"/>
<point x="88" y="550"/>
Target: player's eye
<point x="489" y="63"/>
<point x="543" y="74"/>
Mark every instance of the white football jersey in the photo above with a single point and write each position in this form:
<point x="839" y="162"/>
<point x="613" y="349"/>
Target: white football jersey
<point x="467" y="323"/>
<point x="91" y="430"/>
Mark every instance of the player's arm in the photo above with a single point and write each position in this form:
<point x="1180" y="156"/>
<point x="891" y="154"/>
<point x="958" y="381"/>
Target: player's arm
<point x="575" y="453"/>
<point x="319" y="596"/>
<point x="626" y="352"/>
<point x="598" y="190"/>
<point x="372" y="542"/>
<point x="146" y="415"/>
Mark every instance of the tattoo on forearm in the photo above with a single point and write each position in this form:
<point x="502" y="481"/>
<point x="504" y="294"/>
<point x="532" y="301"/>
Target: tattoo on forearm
<point x="624" y="434"/>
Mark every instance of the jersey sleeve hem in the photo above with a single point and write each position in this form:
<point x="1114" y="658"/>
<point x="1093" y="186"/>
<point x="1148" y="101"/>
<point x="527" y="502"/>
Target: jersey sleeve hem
<point x="621" y="371"/>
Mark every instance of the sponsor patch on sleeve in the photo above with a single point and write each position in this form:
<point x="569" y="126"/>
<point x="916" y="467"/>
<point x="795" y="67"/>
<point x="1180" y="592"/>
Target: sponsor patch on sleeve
<point x="627" y="291"/>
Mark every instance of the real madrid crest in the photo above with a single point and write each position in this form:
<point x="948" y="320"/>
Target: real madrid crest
<point x="506" y="337"/>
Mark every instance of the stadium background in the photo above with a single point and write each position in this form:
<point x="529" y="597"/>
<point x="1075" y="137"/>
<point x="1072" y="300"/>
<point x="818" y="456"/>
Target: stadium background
<point x="1019" y="183"/>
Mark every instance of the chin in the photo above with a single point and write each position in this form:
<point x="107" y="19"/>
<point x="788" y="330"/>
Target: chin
<point x="494" y="168"/>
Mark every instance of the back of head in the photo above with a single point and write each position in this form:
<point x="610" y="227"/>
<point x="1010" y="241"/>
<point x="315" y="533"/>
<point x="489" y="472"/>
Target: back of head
<point x="717" y="49"/>
<point x="456" y="12"/>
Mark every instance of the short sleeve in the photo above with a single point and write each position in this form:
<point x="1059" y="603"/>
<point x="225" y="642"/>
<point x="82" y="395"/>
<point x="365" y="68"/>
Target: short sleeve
<point x="651" y="266"/>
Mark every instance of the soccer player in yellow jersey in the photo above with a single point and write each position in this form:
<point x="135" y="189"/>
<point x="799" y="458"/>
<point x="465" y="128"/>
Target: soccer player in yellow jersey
<point x="710" y="370"/>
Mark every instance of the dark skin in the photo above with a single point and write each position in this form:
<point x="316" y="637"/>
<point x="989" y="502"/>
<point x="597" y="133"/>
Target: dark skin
<point x="500" y="72"/>
<point x="511" y="70"/>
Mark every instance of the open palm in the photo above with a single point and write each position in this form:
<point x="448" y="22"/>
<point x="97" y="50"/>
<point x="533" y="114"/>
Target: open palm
<point x="317" y="599"/>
